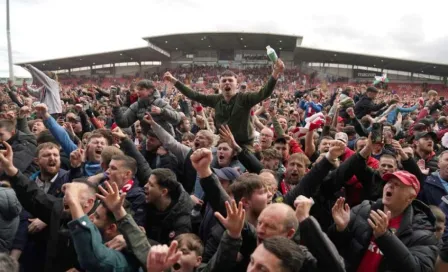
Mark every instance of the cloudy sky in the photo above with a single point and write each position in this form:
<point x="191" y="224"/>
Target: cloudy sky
<point x="45" y="29"/>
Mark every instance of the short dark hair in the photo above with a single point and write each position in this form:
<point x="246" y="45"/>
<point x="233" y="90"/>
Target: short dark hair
<point x="167" y="179"/>
<point x="245" y="185"/>
<point x="289" y="253"/>
<point x="45" y="137"/>
<point x="228" y="73"/>
<point x="280" y="140"/>
<point x="145" y="84"/>
<point x="129" y="162"/>
<point x="188" y="135"/>
<point x="102" y="132"/>
<point x="390" y="156"/>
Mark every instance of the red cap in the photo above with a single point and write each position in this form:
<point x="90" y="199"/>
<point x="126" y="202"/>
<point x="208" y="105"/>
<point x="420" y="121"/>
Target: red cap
<point x="406" y="178"/>
<point x="114" y="125"/>
<point x="340" y="119"/>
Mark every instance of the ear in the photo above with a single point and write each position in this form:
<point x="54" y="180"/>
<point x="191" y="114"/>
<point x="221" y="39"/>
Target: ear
<point x="164" y="192"/>
<point x="291" y="233"/>
<point x="245" y="202"/>
<point x="198" y="261"/>
<point x="35" y="160"/>
<point x="112" y="228"/>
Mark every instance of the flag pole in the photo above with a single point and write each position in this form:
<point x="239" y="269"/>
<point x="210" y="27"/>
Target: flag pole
<point x="8" y="34"/>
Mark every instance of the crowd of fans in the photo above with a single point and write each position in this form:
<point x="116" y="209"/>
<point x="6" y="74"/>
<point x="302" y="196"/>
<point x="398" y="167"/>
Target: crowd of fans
<point x="245" y="175"/>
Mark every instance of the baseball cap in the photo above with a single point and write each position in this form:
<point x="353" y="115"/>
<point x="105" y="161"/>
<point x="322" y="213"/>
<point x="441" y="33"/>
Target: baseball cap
<point x="372" y="89"/>
<point x="340" y="119"/>
<point x="341" y="136"/>
<point x="226" y="173"/>
<point x="420" y="135"/>
<point x="405" y="177"/>
<point x="427" y="121"/>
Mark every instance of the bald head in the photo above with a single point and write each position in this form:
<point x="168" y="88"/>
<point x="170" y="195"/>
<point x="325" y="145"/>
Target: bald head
<point x="276" y="219"/>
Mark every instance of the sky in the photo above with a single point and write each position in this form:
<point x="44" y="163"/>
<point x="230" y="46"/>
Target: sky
<point x="46" y="29"/>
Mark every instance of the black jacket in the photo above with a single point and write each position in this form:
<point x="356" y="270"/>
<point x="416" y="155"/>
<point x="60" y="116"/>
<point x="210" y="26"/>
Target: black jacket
<point x="24" y="147"/>
<point x="164" y="226"/>
<point x="365" y="106"/>
<point x="61" y="254"/>
<point x="413" y="247"/>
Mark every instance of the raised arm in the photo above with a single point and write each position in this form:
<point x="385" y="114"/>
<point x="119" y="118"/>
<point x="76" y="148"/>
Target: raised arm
<point x="58" y="132"/>
<point x="40" y="76"/>
<point x="206" y="100"/>
<point x="129" y="148"/>
<point x="252" y="98"/>
<point x="179" y="150"/>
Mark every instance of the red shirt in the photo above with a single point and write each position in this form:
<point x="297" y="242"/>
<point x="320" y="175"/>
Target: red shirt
<point x="372" y="258"/>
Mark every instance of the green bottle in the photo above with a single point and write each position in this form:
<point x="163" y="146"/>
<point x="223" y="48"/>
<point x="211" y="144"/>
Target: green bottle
<point x="271" y="54"/>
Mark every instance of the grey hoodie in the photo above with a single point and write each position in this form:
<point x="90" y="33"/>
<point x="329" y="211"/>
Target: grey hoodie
<point x="167" y="118"/>
<point x="10" y="209"/>
<point x="48" y="93"/>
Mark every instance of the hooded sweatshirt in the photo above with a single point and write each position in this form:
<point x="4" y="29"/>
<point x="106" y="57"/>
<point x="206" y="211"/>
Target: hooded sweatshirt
<point x="49" y="93"/>
<point x="10" y="209"/>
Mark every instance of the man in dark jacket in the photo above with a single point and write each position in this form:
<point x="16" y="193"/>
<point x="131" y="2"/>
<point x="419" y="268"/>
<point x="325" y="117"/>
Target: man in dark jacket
<point x="23" y="145"/>
<point x="61" y="254"/>
<point x="365" y="105"/>
<point x="425" y="142"/>
<point x="121" y="170"/>
<point x="395" y="233"/>
<point x="232" y="107"/>
<point x="436" y="185"/>
<point x="169" y="207"/>
<point x="148" y="101"/>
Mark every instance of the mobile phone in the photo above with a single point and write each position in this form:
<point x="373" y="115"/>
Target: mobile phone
<point x="377" y="133"/>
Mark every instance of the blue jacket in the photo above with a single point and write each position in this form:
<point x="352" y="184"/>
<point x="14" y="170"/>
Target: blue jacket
<point x="432" y="190"/>
<point x="92" y="254"/>
<point x="310" y="107"/>
<point x="392" y="116"/>
<point x="68" y="146"/>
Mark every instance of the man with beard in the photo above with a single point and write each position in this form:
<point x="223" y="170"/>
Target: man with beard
<point x="203" y="139"/>
<point x="183" y="127"/>
<point x="296" y="167"/>
<point x="232" y="107"/>
<point x="54" y="212"/>
<point x="424" y="142"/>
<point x="169" y="207"/>
<point x="148" y="101"/>
<point x="95" y="143"/>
